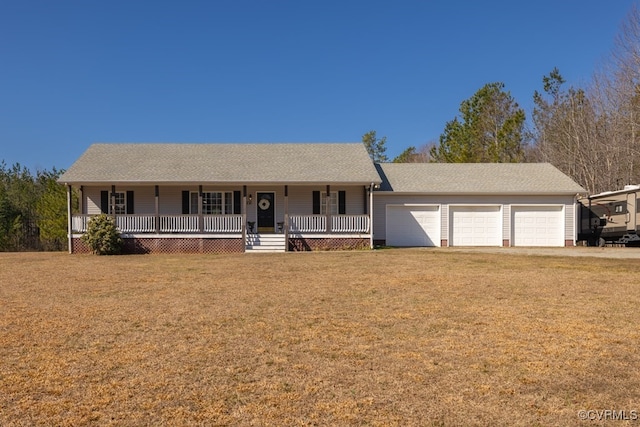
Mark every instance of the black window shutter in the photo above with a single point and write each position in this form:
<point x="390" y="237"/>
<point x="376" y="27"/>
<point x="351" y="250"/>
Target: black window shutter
<point x="104" y="202"/>
<point x="186" y="201"/>
<point x="342" y="202"/>
<point x="316" y="203"/>
<point x="130" y="202"/>
<point x="237" y="202"/>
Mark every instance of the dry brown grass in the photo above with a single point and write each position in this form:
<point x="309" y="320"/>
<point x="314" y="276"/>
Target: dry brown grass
<point x="393" y="337"/>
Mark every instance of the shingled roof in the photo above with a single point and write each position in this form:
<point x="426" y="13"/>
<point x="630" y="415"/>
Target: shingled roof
<point x="313" y="163"/>
<point x="476" y="178"/>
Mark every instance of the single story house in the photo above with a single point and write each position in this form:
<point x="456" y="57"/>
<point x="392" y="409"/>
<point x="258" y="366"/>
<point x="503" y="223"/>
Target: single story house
<point x="226" y="197"/>
<point x="277" y="197"/>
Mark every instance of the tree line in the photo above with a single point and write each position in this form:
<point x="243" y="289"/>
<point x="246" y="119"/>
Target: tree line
<point x="589" y="132"/>
<point x="33" y="210"/>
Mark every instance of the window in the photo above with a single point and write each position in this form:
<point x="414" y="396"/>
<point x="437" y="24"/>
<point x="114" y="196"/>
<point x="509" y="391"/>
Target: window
<point x="123" y="201"/>
<point x="338" y="202"/>
<point x="619" y="208"/>
<point x="213" y="203"/>
<point x="120" y="203"/>
<point x="333" y="200"/>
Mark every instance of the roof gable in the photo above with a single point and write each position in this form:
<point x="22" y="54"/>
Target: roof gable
<point x="228" y="163"/>
<point x="475" y="178"/>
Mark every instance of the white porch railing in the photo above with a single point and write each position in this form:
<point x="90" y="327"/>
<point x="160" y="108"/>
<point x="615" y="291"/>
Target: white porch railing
<point x="79" y="223"/>
<point x="168" y="223"/>
<point x="350" y="224"/>
<point x="307" y="223"/>
<point x="136" y="223"/>
<point x="226" y="223"/>
<point x="223" y="223"/>
<point x="179" y="223"/>
<point x="339" y="224"/>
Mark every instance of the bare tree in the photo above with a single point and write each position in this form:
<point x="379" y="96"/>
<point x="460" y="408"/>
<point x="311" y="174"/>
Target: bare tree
<point x="593" y="133"/>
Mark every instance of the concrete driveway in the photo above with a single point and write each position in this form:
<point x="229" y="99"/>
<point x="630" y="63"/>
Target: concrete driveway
<point x="577" y="251"/>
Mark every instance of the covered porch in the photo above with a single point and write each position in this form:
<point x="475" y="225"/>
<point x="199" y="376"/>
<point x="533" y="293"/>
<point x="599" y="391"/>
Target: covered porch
<point x="225" y="219"/>
<point x="226" y="197"/>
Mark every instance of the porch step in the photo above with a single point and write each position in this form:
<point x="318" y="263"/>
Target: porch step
<point x="260" y="243"/>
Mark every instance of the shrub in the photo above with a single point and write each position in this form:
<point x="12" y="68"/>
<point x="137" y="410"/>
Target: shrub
<point x="102" y="236"/>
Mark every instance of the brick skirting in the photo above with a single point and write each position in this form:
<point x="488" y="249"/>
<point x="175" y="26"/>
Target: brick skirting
<point x="298" y="244"/>
<point x="170" y="246"/>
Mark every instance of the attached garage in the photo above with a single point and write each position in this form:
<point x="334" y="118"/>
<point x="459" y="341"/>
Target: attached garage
<point x="537" y="225"/>
<point x="474" y="204"/>
<point x="413" y="225"/>
<point x="475" y="226"/>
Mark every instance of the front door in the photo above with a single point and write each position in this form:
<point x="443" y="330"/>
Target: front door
<point x="266" y="207"/>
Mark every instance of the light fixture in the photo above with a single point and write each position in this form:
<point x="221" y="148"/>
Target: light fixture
<point x="250" y="198"/>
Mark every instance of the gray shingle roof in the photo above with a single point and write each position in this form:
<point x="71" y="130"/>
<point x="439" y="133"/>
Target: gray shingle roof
<point x="228" y="163"/>
<point x="476" y="178"/>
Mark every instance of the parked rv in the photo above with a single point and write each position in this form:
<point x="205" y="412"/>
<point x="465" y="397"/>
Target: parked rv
<point x="611" y="217"/>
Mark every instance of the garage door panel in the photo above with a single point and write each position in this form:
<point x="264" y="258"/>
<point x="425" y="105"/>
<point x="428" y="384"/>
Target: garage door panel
<point x="538" y="225"/>
<point x="413" y="226"/>
<point x="476" y="226"/>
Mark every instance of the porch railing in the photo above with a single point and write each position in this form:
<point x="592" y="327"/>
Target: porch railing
<point x="179" y="223"/>
<point x="339" y="224"/>
<point x="226" y="223"/>
<point x="168" y="223"/>
<point x="136" y="223"/>
<point x="307" y="223"/>
<point x="350" y="224"/>
<point x="223" y="223"/>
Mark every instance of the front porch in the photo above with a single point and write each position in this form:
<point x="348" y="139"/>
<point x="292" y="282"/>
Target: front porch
<point x="144" y="233"/>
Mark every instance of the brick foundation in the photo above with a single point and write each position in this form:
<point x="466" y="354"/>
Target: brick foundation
<point x="298" y="244"/>
<point x="171" y="246"/>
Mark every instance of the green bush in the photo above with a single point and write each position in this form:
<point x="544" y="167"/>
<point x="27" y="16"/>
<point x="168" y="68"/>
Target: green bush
<point x="102" y="236"/>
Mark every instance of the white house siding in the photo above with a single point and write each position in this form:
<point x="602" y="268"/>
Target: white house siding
<point x="300" y="198"/>
<point x="506" y="220"/>
<point x="92" y="198"/>
<point x="382" y="199"/>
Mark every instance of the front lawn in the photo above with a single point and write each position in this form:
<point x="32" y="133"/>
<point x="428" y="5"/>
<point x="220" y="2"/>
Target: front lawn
<point x="390" y="337"/>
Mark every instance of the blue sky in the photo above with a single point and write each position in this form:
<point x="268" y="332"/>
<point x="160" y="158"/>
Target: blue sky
<point x="77" y="72"/>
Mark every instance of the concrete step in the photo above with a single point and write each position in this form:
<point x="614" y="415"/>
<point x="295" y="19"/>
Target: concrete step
<point x="260" y="243"/>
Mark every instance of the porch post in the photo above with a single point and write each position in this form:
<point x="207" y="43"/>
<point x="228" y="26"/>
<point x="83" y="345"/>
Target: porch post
<point x="157" y="209"/>
<point x="286" y="218"/>
<point x="371" y="216"/>
<point x="328" y="209"/>
<point x="69" y="219"/>
<point x="366" y="199"/>
<point x="244" y="216"/>
<point x="81" y="209"/>
<point x="200" y="218"/>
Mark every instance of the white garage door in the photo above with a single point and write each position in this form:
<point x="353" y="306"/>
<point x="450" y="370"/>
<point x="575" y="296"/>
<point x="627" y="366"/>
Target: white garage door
<point x="476" y="226"/>
<point x="413" y="225"/>
<point x="537" y="225"/>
